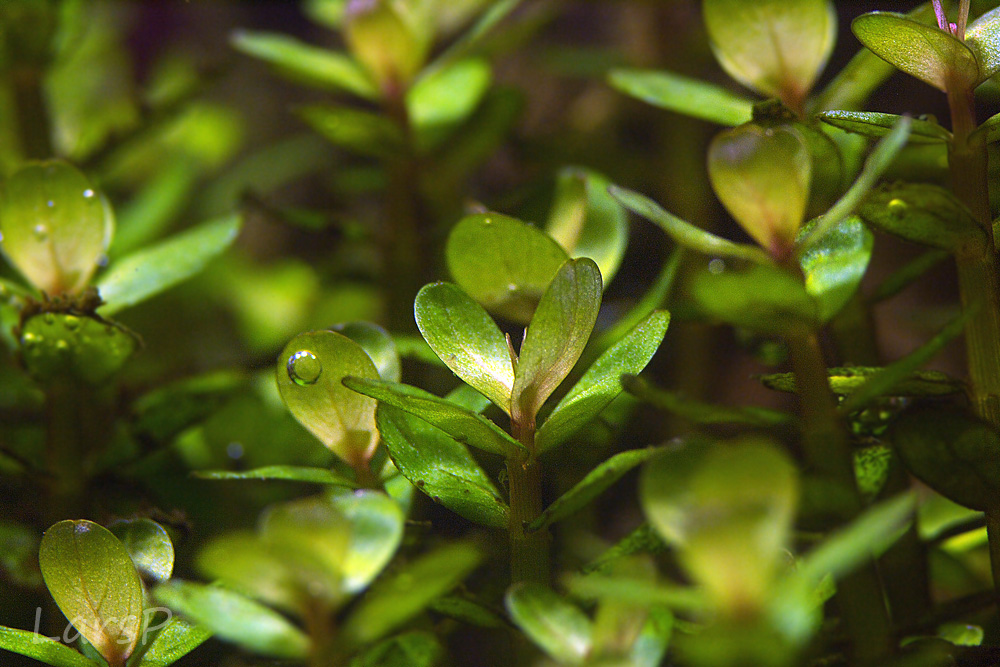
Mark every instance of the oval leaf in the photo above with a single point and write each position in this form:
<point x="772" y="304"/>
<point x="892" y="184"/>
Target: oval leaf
<point x="835" y="263"/>
<point x="378" y="344"/>
<point x="44" y="649"/>
<point x="602" y="381"/>
<point x="441" y="467"/>
<point x="503" y="263"/>
<point x="924" y="213"/>
<point x="761" y="298"/>
<point x="983" y="36"/>
<point x="310" y="370"/>
<point x="149" y="546"/>
<point x="445" y="97"/>
<point x="925" y="52"/>
<point x="411" y="649"/>
<point x="467" y="339"/>
<point x="60" y="345"/>
<point x="91" y="577"/>
<point x="556" y="336"/>
<point x="54" y="226"/>
<point x="361" y="132"/>
<point x="690" y="97"/>
<point x="173" y="642"/>
<point x="877" y="125"/>
<point x="553" y="623"/>
<point x="376" y="523"/>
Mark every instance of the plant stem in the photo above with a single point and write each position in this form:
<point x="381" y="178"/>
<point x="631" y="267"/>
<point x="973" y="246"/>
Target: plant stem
<point x="32" y="113"/>
<point x="529" y="551"/>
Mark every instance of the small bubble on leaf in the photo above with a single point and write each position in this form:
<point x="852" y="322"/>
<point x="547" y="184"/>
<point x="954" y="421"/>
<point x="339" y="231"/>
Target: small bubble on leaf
<point x="234" y="450"/>
<point x="51" y="203"/>
<point x="41" y="233"/>
<point x="716" y="266"/>
<point x="88" y="193"/>
<point x="898" y="208"/>
<point x="304" y="368"/>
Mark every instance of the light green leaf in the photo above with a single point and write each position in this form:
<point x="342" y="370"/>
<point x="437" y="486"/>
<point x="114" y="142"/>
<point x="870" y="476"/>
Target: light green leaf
<point x="376" y="527"/>
<point x="60" y="345"/>
<point x="989" y="129"/>
<point x="556" y="336"/>
<point x="149" y="546"/>
<point x="602" y="381"/>
<point x="245" y="563"/>
<point x="463" y="608"/>
<point x="441" y="467"/>
<point x="699" y="412"/>
<point x="834" y="264"/>
<point x="466" y="427"/>
<point x="328" y="13"/>
<point x="762" y="298"/>
<point x="848" y="379"/>
<point x="925" y="52"/>
<point x="54" y="226"/>
<point x="410" y="649"/>
<point x="152" y="270"/>
<point x="922" y="213"/>
<point x="310" y="370"/>
<point x="503" y="263"/>
<point x="173" y="642"/>
<point x="877" y="125"/>
<point x="154" y="206"/>
<point x="552" y="622"/>
<point x="683" y="232"/>
<point x="397" y="598"/>
<point x="983" y="37"/>
<point x="42" y="648"/>
<point x="467" y="339"/>
<point x="776" y="47"/>
<point x="361" y="132"/>
<point x="91" y="577"/>
<point x="445" y="97"/>
<point x="653" y="640"/>
<point x="305" y="63"/>
<point x="587" y="221"/>
<point x="590" y="487"/>
<point x="378" y="344"/>
<point x="287" y="473"/>
<point x="234" y="618"/>
<point x="690" y="97"/>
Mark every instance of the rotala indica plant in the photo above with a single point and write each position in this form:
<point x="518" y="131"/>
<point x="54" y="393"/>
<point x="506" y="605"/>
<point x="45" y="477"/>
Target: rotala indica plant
<point x="394" y="424"/>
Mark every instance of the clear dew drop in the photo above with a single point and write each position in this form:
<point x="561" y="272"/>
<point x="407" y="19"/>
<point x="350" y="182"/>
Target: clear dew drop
<point x="71" y="322"/>
<point x="88" y="193"/>
<point x="51" y="203"/>
<point x="898" y="208"/>
<point x="716" y="266"/>
<point x="41" y="232"/>
<point x="304" y="368"/>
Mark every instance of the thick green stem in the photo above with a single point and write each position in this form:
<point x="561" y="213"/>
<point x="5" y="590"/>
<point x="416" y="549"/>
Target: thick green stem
<point x="529" y="551"/>
<point x="65" y="450"/>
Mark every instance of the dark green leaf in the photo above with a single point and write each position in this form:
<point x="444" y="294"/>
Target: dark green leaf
<point x="989" y="130"/>
<point x="503" y="263"/>
<point x="587" y="221"/>
<point x="467" y="339"/>
<point x="922" y="213"/>
<point x="552" y="622"/>
<point x="602" y="381"/>
<point x="376" y="527"/>
<point x="845" y="380"/>
<point x="871" y="469"/>
<point x="876" y="125"/>
<point x="445" y="97"/>
<point x="925" y="52"/>
<point x="232" y="617"/>
<point x="397" y="598"/>
<point x="411" y="649"/>
<point x="835" y="263"/>
<point x="306" y="63"/>
<point x="641" y="540"/>
<point x="466" y="427"/>
<point x="955" y="454"/>
<point x="152" y="270"/>
<point x="441" y="467"/>
<point x="54" y="226"/>
<point x="60" y="345"/>
<point x="91" y="577"/>
<point x="762" y="298"/>
<point x="358" y="131"/>
<point x="288" y="473"/>
<point x="149" y="546"/>
<point x="690" y="97"/>
<point x="378" y="344"/>
<point x="310" y="371"/>
<point x="556" y="336"/>
<point x="173" y="642"/>
<point x="171" y="408"/>
<point x="983" y="37"/>
<point x="469" y="611"/>
<point x="596" y="482"/>
<point x="42" y="648"/>
<point x="699" y="412"/>
<point x="19" y="554"/>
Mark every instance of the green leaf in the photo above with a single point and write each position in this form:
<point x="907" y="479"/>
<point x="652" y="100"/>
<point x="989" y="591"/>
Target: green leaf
<point x="305" y="63"/>
<point x="171" y="408"/>
<point x="922" y="213"/>
<point x="989" y="130"/>
<point x="602" y="381"/>
<point x="762" y="298"/>
<point x="149" y="546"/>
<point x="287" y="473"/>
<point x="467" y="339"/>
<point x="234" y="618"/>
<point x="378" y="344"/>
<point x="152" y="270"/>
<point x="596" y="482"/>
<point x="587" y="221"/>
<point x="445" y="97"/>
<point x="42" y="648"/>
<point x="467" y="610"/>
<point x="60" y="345"/>
<point x="552" y="623"/>
<point x="834" y="264"/>
<point x="955" y="454"/>
<point x="91" y="577"/>
<point x="376" y="523"/>
<point x="466" y="427"/>
<point x="397" y="598"/>
<point x="410" y="649"/>
<point x="641" y="540"/>
<point x="154" y="206"/>
<point x="925" y="52"/>
<point x="19" y="554"/>
<point x="173" y="642"/>
<point x="683" y="232"/>
<point x="690" y="97"/>
<point x="848" y="379"/>
<point x="983" y="37"/>
<point x="556" y="336"/>
<point x="54" y="226"/>
<point x="361" y="132"/>
<point x="699" y="412"/>
<point x="651" y="645"/>
<point x="876" y="125"/>
<point x="310" y="370"/>
<point x="503" y="263"/>
<point x="441" y="467"/>
<point x="245" y="563"/>
<point x="776" y="47"/>
<point x="328" y="13"/>
<point x="389" y="39"/>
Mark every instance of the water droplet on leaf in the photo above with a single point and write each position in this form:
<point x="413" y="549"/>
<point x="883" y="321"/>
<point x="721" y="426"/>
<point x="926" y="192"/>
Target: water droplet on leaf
<point x="51" y="203"/>
<point x="41" y="233"/>
<point x="304" y="368"/>
<point x="716" y="266"/>
<point x="88" y="193"/>
<point x="898" y="208"/>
